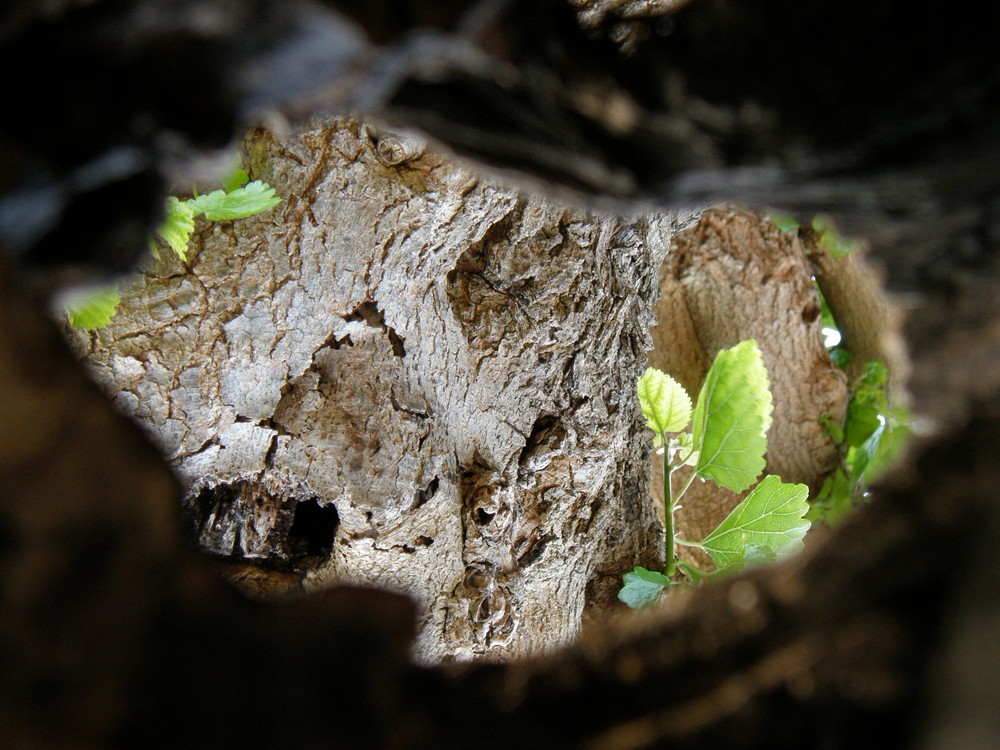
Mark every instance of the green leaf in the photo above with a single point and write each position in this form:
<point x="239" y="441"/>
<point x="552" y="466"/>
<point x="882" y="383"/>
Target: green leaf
<point x="829" y="238"/>
<point x="235" y="180"/>
<point x="732" y="417"/>
<point x="783" y="221"/>
<point x="93" y="308"/>
<point x="695" y="577"/>
<point x="665" y="404"/>
<point x="757" y="555"/>
<point x="841" y="357"/>
<point x="177" y="226"/>
<point x="686" y="454"/>
<point x="831" y="428"/>
<point x="769" y="517"/>
<point x="642" y="587"/>
<point x="898" y="431"/>
<point x="827" y="314"/>
<point x="834" y="501"/>
<point x="867" y="404"/>
<point x="246" y="201"/>
<point x="858" y="458"/>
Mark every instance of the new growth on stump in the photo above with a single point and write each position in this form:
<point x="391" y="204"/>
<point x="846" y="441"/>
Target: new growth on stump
<point x="727" y="443"/>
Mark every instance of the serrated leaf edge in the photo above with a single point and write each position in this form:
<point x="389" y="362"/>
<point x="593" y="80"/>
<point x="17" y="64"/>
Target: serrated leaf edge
<point x="673" y="416"/>
<point x="702" y="414"/>
<point x="791" y="536"/>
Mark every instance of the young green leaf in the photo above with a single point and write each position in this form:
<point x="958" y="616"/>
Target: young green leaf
<point x="235" y="180"/>
<point x="831" y="428"/>
<point x="830" y="239"/>
<point x="841" y="357"/>
<point x="891" y="443"/>
<point x="686" y="454"/>
<point x="867" y="404"/>
<point x="835" y="500"/>
<point x="770" y="517"/>
<point x="732" y="417"/>
<point x="94" y="308"/>
<point x="665" y="404"/>
<point x="251" y="199"/>
<point x="177" y="226"/>
<point x="642" y="587"/>
<point x="783" y="221"/>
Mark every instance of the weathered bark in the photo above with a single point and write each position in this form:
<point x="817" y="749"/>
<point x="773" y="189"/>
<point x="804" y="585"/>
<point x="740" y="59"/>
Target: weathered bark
<point x="827" y="655"/>
<point x="406" y="377"/>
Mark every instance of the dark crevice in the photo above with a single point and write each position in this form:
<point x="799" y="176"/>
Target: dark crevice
<point x="272" y="424"/>
<point x="427" y="493"/>
<point x="343" y="343"/>
<point x="276" y="529"/>
<point x="313" y="529"/>
<point x="368" y="313"/>
<point x="406" y="409"/>
<point x="533" y="549"/>
<point x="397" y="343"/>
<point x="332" y="342"/>
<point x="547" y="434"/>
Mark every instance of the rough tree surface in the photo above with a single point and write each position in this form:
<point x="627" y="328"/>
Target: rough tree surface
<point x="112" y="636"/>
<point x="406" y="377"/>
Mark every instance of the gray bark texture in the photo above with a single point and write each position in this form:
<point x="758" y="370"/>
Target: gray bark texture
<point x="406" y="377"/>
<point x="114" y="636"/>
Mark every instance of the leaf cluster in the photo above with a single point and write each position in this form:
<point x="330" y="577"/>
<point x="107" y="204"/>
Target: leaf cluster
<point x="234" y="201"/>
<point x="237" y="199"/>
<point x="827" y="236"/>
<point x="727" y="443"/>
<point x="872" y="436"/>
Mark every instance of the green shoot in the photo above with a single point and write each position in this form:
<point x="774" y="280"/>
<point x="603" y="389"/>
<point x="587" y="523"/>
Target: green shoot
<point x="238" y="199"/>
<point x="871" y="438"/>
<point x="727" y="443"/>
<point x="830" y="239"/>
<point x="93" y="308"/>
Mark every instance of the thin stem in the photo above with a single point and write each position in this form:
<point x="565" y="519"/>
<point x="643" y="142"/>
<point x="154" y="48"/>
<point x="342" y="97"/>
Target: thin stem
<point x="688" y="544"/>
<point x="668" y="509"/>
<point x="687" y="484"/>
<point x="670" y="503"/>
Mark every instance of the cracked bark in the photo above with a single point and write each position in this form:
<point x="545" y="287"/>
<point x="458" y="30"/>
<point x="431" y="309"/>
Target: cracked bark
<point x="406" y="377"/>
<point x="832" y="652"/>
<point x="410" y="378"/>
